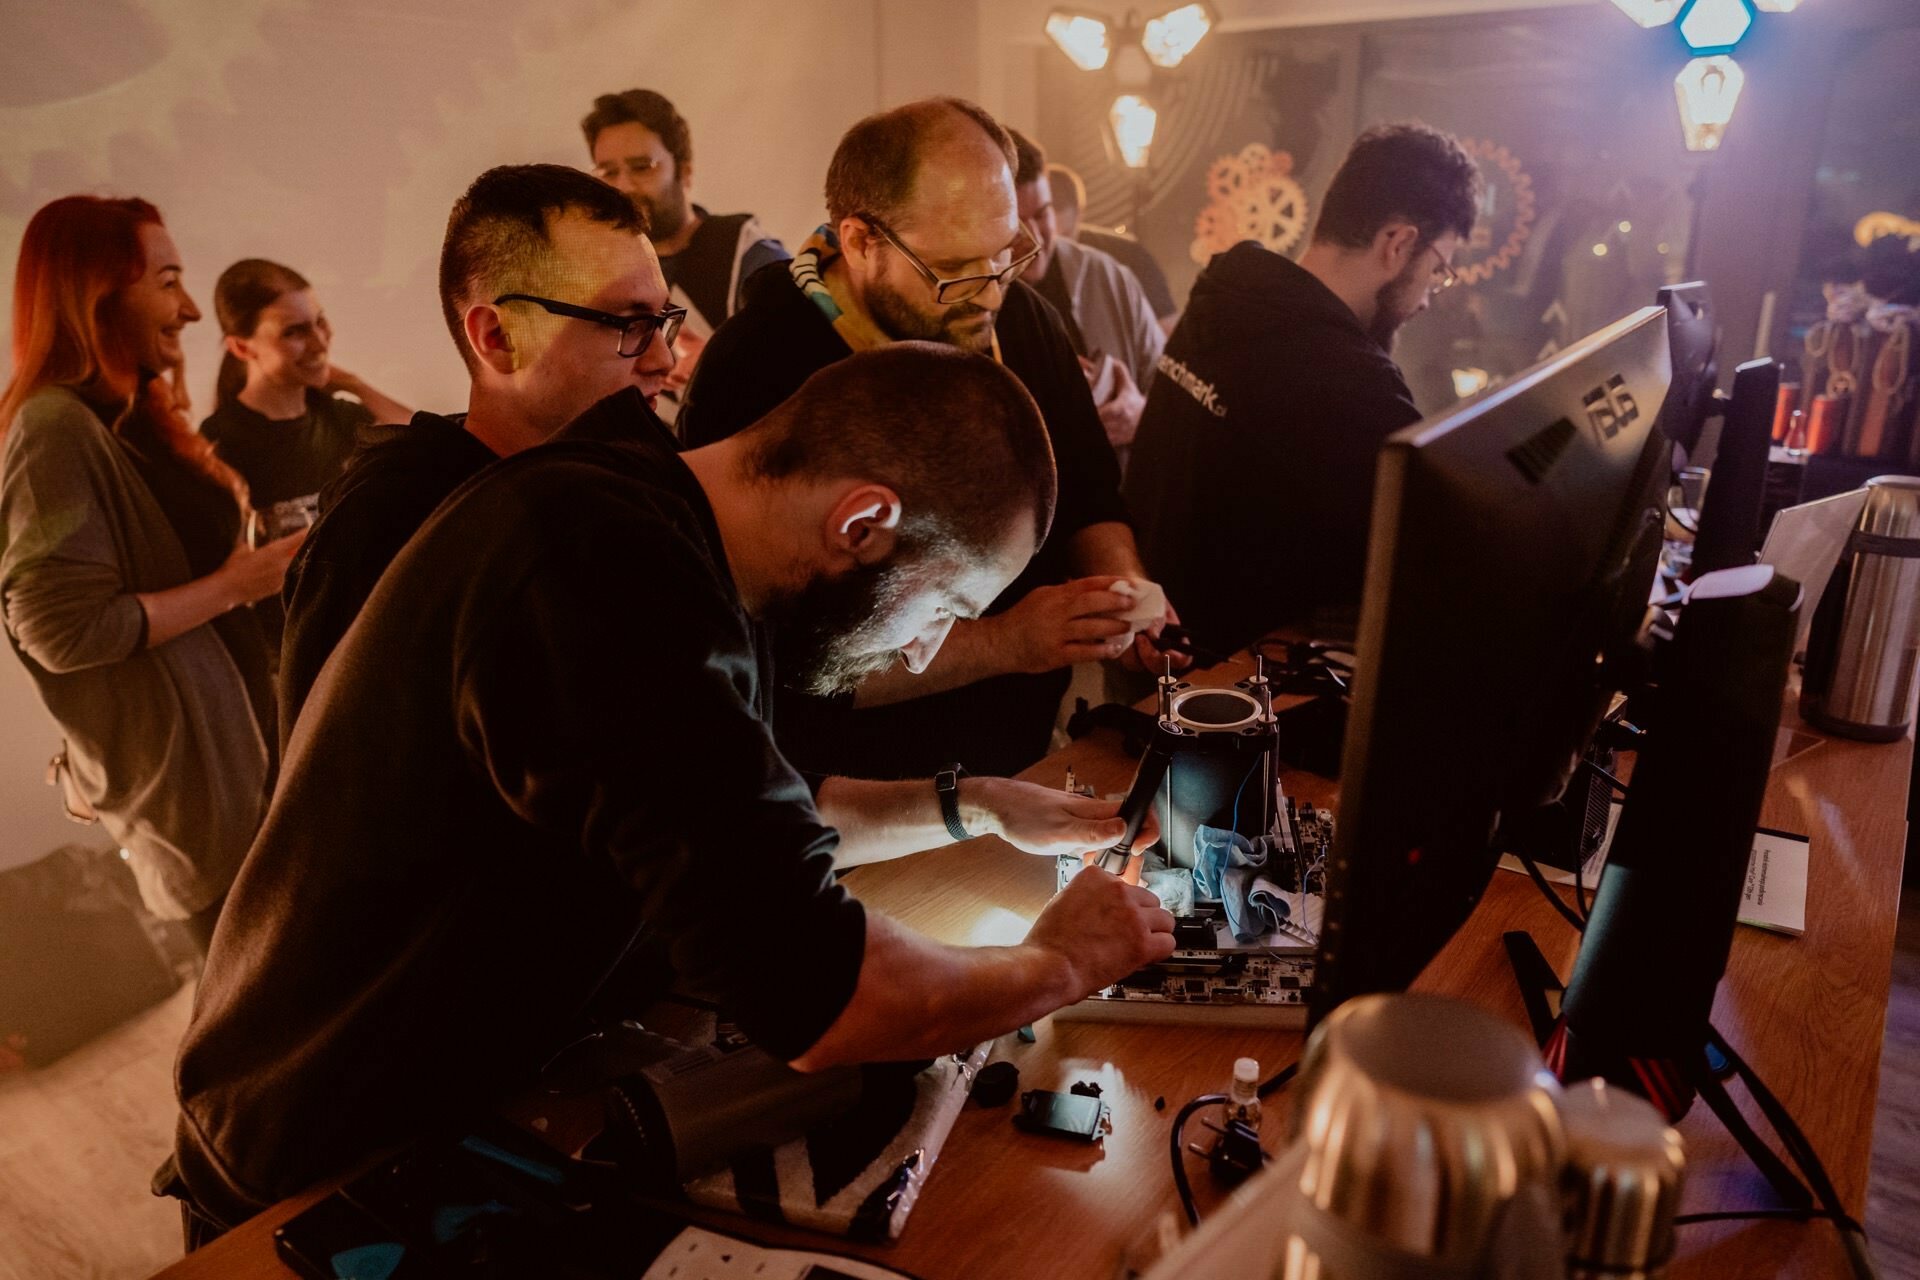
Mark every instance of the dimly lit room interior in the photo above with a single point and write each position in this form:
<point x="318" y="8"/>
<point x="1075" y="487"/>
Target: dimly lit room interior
<point x="1306" y="616"/>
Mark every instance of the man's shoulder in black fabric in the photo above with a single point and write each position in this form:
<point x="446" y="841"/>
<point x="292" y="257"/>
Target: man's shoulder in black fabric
<point x="760" y="356"/>
<point x="389" y="488"/>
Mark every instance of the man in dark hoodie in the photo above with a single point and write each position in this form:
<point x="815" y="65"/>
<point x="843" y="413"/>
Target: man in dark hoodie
<point x="1251" y="483"/>
<point x="521" y="241"/>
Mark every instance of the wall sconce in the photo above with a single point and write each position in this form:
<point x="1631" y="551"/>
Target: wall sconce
<point x="1708" y="89"/>
<point x="1709" y="86"/>
<point x="1133" y="120"/>
<point x="1130" y="52"/>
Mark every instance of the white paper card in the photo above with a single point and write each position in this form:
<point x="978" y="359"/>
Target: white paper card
<point x="1775" y="894"/>
<point x="700" y="1254"/>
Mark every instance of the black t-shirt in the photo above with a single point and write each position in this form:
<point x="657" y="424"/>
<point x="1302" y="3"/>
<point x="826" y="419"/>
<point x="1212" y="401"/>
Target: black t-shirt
<point x="722" y="254"/>
<point x="206" y="519"/>
<point x="386" y="493"/>
<point x="286" y="458"/>
<point x="1251" y="481"/>
<point x="540" y="738"/>
<point x="760" y="357"/>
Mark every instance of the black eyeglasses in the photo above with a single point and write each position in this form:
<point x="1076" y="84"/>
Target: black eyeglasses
<point x="635" y="331"/>
<point x="960" y="288"/>
<point x="1447" y="277"/>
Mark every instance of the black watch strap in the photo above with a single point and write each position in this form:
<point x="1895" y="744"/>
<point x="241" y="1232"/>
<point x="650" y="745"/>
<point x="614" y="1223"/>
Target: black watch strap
<point x="946" y="784"/>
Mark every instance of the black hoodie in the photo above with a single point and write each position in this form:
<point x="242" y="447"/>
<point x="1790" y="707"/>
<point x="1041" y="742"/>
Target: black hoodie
<point x="1252" y="475"/>
<point x="389" y="488"/>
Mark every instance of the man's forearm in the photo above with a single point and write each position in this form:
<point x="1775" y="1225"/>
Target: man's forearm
<point x="1107" y="547"/>
<point x="970" y="652"/>
<point x="917" y="998"/>
<point x="883" y="820"/>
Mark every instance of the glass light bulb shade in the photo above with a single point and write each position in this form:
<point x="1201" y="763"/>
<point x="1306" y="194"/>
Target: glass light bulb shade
<point x="1169" y="38"/>
<point x="1651" y="13"/>
<point x="1715" y="24"/>
<point x="1082" y="37"/>
<point x="1708" y="89"/>
<point x="1133" y="119"/>
<point x="1776" y="6"/>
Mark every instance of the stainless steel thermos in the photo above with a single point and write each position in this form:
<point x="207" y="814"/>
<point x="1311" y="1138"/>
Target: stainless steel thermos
<point x="1866" y="632"/>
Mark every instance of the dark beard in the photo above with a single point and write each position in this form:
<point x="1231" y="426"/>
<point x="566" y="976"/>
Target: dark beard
<point x="664" y="221"/>
<point x="823" y="634"/>
<point x="1387" y="316"/>
<point x="899" y="321"/>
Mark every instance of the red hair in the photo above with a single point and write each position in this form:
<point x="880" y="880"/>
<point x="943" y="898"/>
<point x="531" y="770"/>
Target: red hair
<point x="78" y="255"/>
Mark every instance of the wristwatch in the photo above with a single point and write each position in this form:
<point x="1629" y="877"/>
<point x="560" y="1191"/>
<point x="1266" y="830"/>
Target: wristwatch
<point x="946" y="784"/>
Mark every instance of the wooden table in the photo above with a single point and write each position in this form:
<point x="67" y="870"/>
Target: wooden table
<point x="1806" y="1012"/>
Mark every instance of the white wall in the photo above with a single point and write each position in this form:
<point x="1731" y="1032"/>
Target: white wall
<point x="333" y="135"/>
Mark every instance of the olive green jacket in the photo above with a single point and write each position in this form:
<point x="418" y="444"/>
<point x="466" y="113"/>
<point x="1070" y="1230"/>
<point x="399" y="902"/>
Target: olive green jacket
<point x="162" y="740"/>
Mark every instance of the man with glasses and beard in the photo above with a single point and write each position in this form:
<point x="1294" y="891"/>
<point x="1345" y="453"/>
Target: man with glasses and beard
<point x="1252" y="473"/>
<point x="923" y="242"/>
<point x="643" y="148"/>
<point x="540" y="760"/>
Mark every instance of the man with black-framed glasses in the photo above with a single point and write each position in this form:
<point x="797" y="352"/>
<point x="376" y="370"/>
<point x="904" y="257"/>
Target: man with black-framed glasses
<point x="923" y="241"/>
<point x="554" y="297"/>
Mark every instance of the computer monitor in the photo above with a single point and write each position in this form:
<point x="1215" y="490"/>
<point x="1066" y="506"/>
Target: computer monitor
<point x="1692" y="340"/>
<point x="1728" y="535"/>
<point x="1513" y="548"/>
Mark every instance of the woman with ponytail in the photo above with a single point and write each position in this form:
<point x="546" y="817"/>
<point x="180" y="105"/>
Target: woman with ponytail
<point x="276" y="418"/>
<point x="122" y="566"/>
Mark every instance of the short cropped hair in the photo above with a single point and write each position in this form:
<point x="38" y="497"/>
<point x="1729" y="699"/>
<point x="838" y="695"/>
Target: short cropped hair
<point x="1069" y="192"/>
<point x="1030" y="159"/>
<point x="955" y="435"/>
<point x="499" y="235"/>
<point x="648" y="109"/>
<point x="1400" y="171"/>
<point x="874" y="167"/>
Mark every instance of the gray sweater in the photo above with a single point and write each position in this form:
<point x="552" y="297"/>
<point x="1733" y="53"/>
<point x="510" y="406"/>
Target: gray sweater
<point x="162" y="740"/>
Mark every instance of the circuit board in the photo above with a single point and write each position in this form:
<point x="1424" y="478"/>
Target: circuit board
<point x="1212" y="979"/>
<point x="1211" y="988"/>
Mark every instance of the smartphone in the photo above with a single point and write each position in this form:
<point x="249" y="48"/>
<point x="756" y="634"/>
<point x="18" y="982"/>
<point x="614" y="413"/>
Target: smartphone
<point x="337" y="1240"/>
<point x="1064" y="1115"/>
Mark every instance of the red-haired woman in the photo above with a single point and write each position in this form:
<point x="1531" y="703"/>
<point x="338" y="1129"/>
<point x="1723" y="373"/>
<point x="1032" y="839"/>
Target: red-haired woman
<point x="121" y="563"/>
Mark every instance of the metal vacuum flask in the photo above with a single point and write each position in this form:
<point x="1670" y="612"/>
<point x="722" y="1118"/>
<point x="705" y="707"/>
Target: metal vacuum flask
<point x="1866" y="633"/>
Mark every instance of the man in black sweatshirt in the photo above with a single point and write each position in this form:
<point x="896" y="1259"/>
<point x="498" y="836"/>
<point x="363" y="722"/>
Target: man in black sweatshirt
<point x="1251" y="482"/>
<point x="540" y="757"/>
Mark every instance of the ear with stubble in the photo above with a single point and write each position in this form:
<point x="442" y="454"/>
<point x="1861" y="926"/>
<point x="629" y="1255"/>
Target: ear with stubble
<point x="862" y="526"/>
<point x="487" y="335"/>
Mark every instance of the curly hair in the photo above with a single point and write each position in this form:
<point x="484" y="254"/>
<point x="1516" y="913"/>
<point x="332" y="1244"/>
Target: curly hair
<point x="1400" y="171"/>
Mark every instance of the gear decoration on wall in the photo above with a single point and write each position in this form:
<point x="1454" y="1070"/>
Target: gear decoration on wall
<point x="1506" y="212"/>
<point x="1252" y="196"/>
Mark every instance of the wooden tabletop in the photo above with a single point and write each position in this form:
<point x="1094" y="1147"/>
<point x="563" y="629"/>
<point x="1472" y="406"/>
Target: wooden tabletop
<point x="1806" y="1012"/>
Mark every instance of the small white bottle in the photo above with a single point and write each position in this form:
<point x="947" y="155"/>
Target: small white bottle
<point x="1243" y="1099"/>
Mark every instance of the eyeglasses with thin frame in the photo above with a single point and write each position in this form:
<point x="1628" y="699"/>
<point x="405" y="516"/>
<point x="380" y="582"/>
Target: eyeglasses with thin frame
<point x="1448" y="276"/>
<point x="960" y="288"/>
<point x="636" y="332"/>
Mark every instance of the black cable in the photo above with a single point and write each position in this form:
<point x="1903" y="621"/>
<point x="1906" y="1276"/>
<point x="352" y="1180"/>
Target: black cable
<point x="1853" y="1236"/>
<point x="1558" y="903"/>
<point x="1278" y="1080"/>
<point x="1743" y="1215"/>
<point x="1179" y="1155"/>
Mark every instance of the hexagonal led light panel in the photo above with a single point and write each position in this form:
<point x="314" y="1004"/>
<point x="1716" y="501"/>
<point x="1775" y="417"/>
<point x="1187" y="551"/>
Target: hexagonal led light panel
<point x="1708" y="89"/>
<point x="1715" y="24"/>
<point x="1651" y="13"/>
